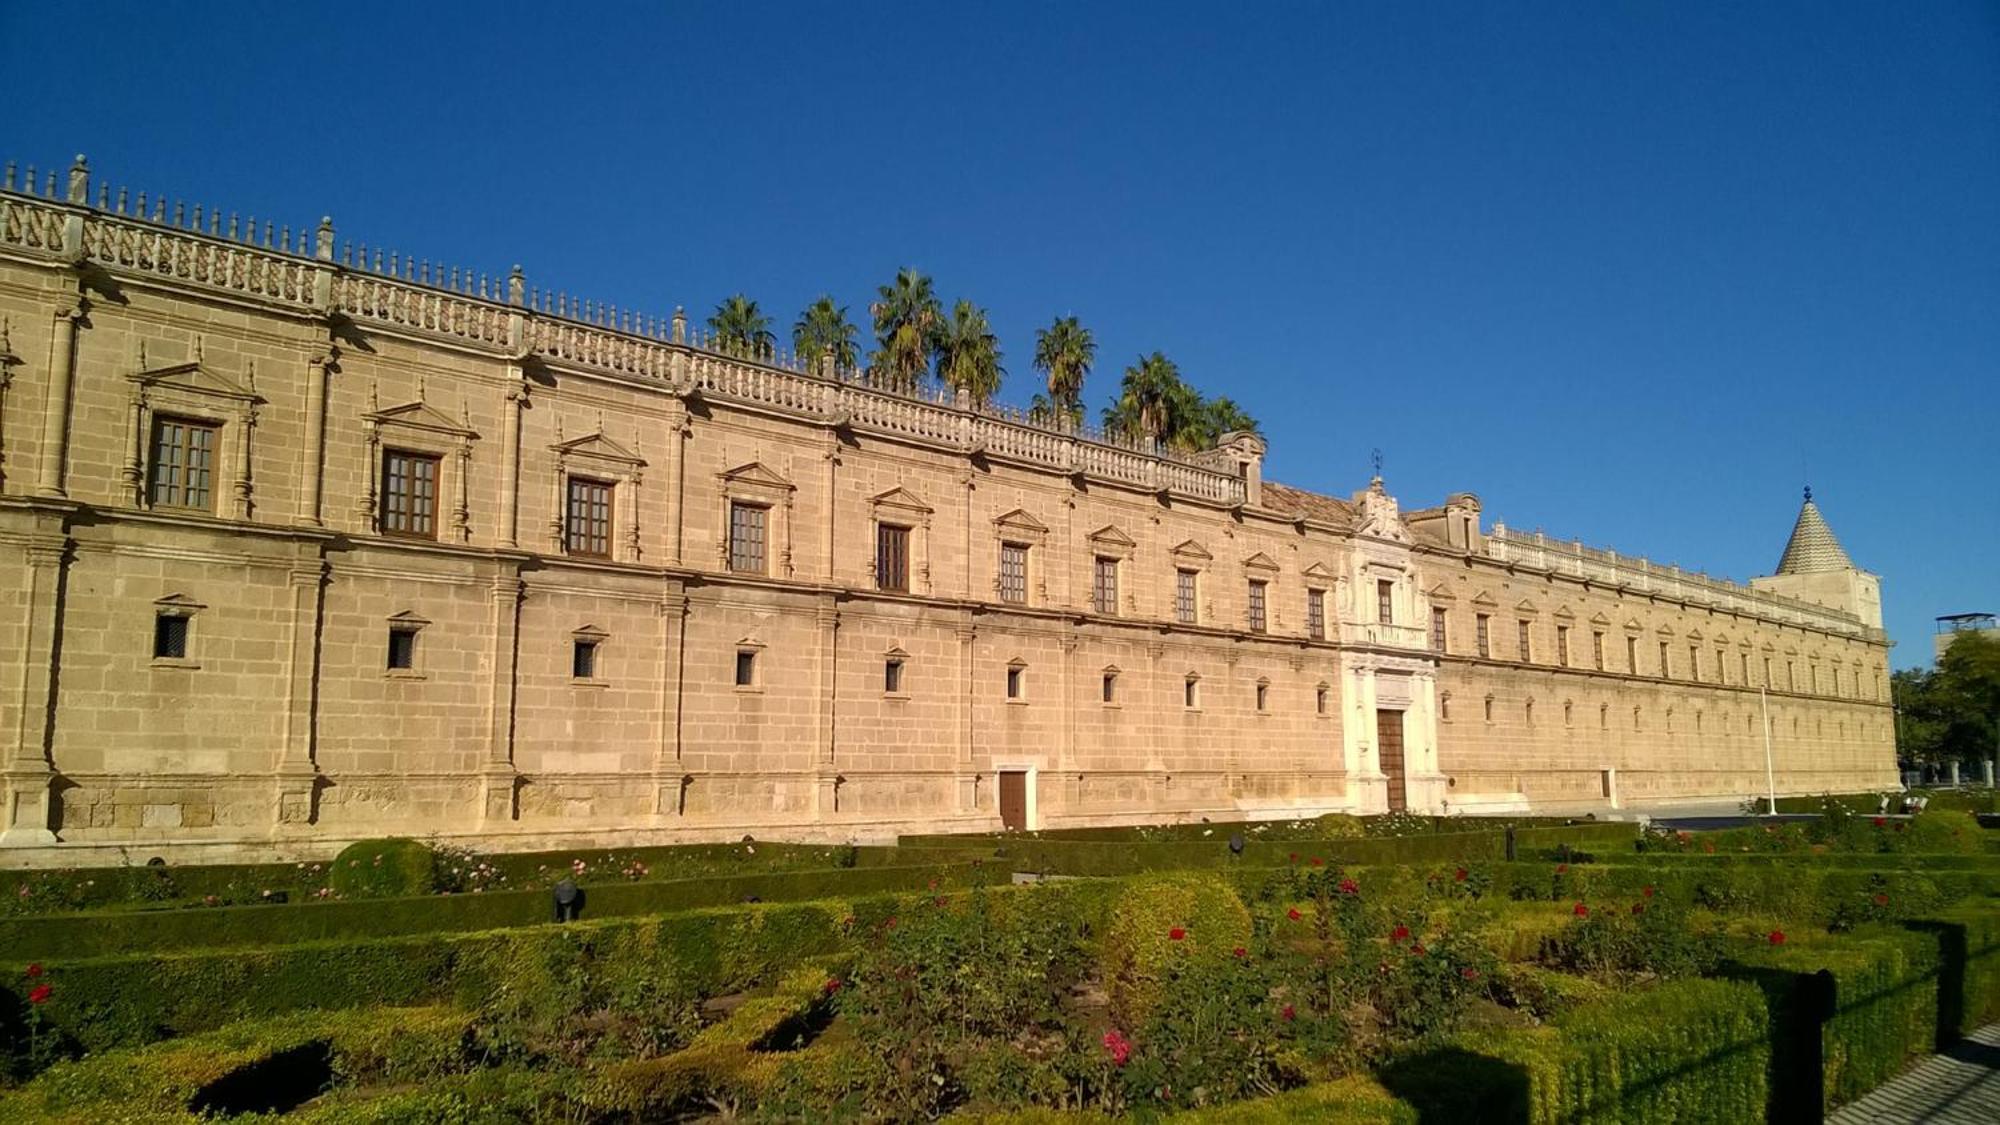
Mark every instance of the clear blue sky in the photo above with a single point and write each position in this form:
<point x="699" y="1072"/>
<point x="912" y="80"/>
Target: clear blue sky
<point x="1632" y="272"/>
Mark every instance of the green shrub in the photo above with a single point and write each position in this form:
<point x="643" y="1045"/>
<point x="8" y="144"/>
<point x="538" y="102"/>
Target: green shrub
<point x="1339" y="826"/>
<point x="1166" y="919"/>
<point x="384" y="869"/>
<point x="1690" y="1050"/>
<point x="1544" y="993"/>
<point x="1345" y="1101"/>
<point x="1945" y="831"/>
<point x="1651" y="935"/>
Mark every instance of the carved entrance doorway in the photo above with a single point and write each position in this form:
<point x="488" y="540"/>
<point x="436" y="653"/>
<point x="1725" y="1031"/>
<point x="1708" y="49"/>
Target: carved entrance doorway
<point x="1014" y="800"/>
<point x="1389" y="741"/>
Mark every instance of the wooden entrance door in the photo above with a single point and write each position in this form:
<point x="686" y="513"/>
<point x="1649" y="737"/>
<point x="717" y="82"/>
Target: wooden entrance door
<point x="1014" y="800"/>
<point x="1389" y="740"/>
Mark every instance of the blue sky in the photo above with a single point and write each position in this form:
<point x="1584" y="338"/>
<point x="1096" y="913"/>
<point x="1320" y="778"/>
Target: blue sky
<point x="1632" y="272"/>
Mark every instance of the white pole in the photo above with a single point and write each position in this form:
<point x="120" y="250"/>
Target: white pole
<point x="1770" y="776"/>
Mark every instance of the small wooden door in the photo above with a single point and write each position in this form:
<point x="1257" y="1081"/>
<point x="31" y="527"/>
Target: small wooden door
<point x="1389" y="739"/>
<point x="1014" y="800"/>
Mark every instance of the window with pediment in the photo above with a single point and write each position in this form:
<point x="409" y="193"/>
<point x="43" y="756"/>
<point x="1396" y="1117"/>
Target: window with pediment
<point x="188" y="439"/>
<point x="754" y="524"/>
<point x="1016" y="580"/>
<point x="902" y="536"/>
<point x="597" y="508"/>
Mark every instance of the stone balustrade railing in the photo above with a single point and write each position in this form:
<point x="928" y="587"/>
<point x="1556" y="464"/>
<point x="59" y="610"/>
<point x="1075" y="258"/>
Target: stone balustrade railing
<point x="300" y="270"/>
<point x="1636" y="573"/>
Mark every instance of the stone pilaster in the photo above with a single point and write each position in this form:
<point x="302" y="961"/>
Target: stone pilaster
<point x="498" y="775"/>
<point x="297" y="776"/>
<point x="53" y="454"/>
<point x="510" y="457"/>
<point x="27" y="773"/>
<point x="667" y="769"/>
<point x="826" y="670"/>
<point x="678" y="433"/>
<point x="968" y="781"/>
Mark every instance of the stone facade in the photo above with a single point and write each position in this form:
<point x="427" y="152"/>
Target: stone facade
<point x="458" y="557"/>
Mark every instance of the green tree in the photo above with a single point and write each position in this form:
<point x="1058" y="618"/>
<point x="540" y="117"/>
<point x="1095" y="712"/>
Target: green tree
<point x="968" y="353"/>
<point x="907" y="322"/>
<point x="1951" y="713"/>
<point x="741" y="328"/>
<point x="824" y="326"/>
<point x="1064" y="352"/>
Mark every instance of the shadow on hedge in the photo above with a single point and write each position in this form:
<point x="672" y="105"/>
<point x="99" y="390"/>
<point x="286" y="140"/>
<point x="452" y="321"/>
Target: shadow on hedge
<point x="1451" y="1086"/>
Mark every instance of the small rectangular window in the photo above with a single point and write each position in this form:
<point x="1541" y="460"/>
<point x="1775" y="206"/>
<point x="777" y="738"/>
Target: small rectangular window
<point x="892" y="676"/>
<point x="747" y="524"/>
<point x="183" y="468"/>
<point x="1316" y="614"/>
<point x="1319" y="699"/>
<point x="1190" y="693"/>
<point x="1184" y="604"/>
<point x="1014" y="573"/>
<point x="1104" y="586"/>
<point x="1110" y="687"/>
<point x="1014" y="683"/>
<point x="892" y="558"/>
<point x="170" y="637"/>
<point x="583" y="659"/>
<point x="587" y="523"/>
<point x="1263" y="696"/>
<point x="1385" y="601"/>
<point x="1437" y="628"/>
<point x="402" y="649"/>
<point x="1482" y="634"/>
<point x="409" y="494"/>
<point x="746" y="669"/>
<point x="1257" y="606"/>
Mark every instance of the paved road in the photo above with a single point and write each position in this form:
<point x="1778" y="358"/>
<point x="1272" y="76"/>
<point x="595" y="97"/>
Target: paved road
<point x="1961" y="1085"/>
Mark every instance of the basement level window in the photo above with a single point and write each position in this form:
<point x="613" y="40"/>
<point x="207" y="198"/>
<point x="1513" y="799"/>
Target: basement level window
<point x="402" y="649"/>
<point x="583" y="659"/>
<point x="170" y="636"/>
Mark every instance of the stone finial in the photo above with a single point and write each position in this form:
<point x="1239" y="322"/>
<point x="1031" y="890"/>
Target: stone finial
<point x="680" y="325"/>
<point x="517" y="286"/>
<point x="79" y="180"/>
<point x="323" y="240"/>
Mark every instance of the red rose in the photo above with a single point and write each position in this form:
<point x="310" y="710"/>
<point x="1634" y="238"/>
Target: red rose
<point x="1294" y="858"/>
<point x="1238" y="951"/>
<point x="39" y="994"/>
<point x="1469" y="974"/>
<point x="1293" y="914"/>
<point x="35" y="969"/>
<point x="832" y="985"/>
<point x="939" y="901"/>
<point x="1349" y="887"/>
<point x="1176" y="933"/>
<point x="1880" y="821"/>
<point x="1777" y="937"/>
<point x="1562" y="868"/>
<point x="1418" y="949"/>
<point x="1581" y="911"/>
<point x="1288" y="1013"/>
<point x="1400" y="933"/>
<point x="1647" y="890"/>
<point x="1119" y="1046"/>
<point x="1461" y="875"/>
<point x="1881" y="900"/>
<point x="1318" y="862"/>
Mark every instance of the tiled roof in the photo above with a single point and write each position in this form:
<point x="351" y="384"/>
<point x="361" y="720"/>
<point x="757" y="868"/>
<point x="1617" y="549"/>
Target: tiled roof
<point x="1313" y="506"/>
<point x="1813" y="548"/>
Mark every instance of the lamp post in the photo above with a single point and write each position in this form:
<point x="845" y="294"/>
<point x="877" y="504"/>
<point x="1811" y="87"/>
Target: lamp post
<point x="1770" y="773"/>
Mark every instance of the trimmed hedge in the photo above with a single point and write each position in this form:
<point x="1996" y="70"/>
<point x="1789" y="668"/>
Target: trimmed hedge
<point x="287" y="1059"/>
<point x="1690" y="1050"/>
<point x="124" y="1001"/>
<point x="108" y="934"/>
<point x="1349" y="1101"/>
<point x="383" y="869"/>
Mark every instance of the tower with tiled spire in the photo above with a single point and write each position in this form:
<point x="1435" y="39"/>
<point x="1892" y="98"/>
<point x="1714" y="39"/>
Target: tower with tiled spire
<point x="1815" y="568"/>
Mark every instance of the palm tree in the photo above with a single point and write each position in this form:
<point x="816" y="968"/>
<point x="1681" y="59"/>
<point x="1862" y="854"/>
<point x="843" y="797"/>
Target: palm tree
<point x="1064" y="352"/>
<point x="968" y="353"/>
<point x="741" y="328"/>
<point x="906" y="330"/>
<point x="1153" y="403"/>
<point x="824" y="327"/>
<point x="1218" y="416"/>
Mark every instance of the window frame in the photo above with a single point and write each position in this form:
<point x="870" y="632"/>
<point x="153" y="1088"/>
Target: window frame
<point x="892" y="556"/>
<point x="1257" y="601"/>
<point x="581" y="542"/>
<point x="1104" y="585"/>
<point x="1316" y="613"/>
<point x="736" y="551"/>
<point x="1187" y="595"/>
<point x="413" y="510"/>
<point x="188" y="425"/>
<point x="1482" y="635"/>
<point x="1011" y="579"/>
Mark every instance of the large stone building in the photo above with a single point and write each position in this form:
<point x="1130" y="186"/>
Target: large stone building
<point x="300" y="544"/>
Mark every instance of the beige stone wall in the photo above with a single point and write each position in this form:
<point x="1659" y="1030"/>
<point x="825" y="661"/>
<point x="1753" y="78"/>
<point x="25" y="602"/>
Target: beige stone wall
<point x="284" y="730"/>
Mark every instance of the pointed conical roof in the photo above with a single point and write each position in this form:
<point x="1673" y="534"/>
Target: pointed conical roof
<point x="1812" y="548"/>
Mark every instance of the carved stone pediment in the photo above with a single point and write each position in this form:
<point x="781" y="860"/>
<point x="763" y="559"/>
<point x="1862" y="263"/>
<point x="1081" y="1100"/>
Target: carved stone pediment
<point x="1020" y="522"/>
<point x="423" y="416"/>
<point x="1526" y="608"/>
<point x="1318" y="575"/>
<point x="1110" y="536"/>
<point x="1599" y="619"/>
<point x="197" y="378"/>
<point x="1484" y="600"/>
<point x="1193" y="552"/>
<point x="901" y="500"/>
<point x="598" y="447"/>
<point x="1261" y="562"/>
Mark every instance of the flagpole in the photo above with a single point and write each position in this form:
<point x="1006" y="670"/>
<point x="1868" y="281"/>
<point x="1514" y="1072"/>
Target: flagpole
<point x="1770" y="776"/>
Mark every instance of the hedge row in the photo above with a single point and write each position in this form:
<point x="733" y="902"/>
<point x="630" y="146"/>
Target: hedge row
<point x="1972" y="800"/>
<point x="1332" y="826"/>
<point x="250" y="1066"/>
<point x="105" y="934"/>
<point x="1691" y="1050"/>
